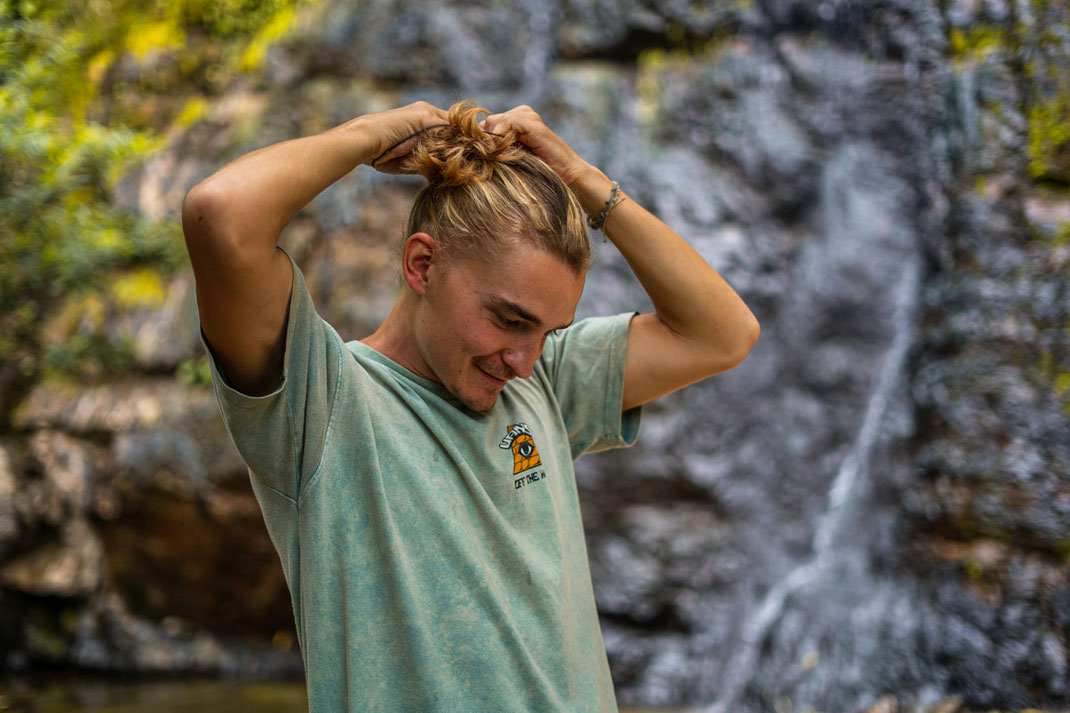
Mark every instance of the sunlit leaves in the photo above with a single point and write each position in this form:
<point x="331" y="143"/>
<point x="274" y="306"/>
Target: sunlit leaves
<point x="87" y="89"/>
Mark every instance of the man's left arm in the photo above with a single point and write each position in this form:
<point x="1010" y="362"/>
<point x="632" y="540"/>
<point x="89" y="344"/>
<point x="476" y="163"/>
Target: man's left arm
<point x="699" y="326"/>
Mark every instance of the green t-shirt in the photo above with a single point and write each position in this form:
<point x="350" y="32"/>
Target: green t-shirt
<point x="435" y="556"/>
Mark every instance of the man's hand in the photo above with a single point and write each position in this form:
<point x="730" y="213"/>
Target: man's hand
<point x="396" y="130"/>
<point x="233" y="218"/>
<point x="537" y="136"/>
<point x="699" y="326"/>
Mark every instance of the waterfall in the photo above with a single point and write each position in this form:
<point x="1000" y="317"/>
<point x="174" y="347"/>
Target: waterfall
<point x="848" y="481"/>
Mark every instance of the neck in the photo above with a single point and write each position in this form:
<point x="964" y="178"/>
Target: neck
<point x="396" y="337"/>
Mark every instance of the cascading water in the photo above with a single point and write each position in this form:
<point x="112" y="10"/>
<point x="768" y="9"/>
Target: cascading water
<point x="874" y="502"/>
<point x="831" y="544"/>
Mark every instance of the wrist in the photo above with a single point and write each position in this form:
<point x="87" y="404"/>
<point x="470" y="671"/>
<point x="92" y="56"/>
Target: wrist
<point x="591" y="189"/>
<point x="361" y="139"/>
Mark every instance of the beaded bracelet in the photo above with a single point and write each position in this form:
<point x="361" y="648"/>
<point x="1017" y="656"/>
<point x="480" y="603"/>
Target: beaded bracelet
<point x="596" y="223"/>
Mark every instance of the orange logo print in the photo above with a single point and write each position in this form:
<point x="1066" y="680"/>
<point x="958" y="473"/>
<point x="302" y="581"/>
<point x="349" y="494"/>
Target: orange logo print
<point x="525" y="454"/>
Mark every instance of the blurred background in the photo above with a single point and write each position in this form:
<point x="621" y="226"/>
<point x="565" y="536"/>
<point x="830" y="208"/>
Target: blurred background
<point x="872" y="512"/>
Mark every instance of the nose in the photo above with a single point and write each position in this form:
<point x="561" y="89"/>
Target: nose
<point x="521" y="360"/>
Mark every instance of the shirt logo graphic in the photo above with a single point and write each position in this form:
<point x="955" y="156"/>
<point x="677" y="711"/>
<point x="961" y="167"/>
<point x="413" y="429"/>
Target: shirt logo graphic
<point x="525" y="454"/>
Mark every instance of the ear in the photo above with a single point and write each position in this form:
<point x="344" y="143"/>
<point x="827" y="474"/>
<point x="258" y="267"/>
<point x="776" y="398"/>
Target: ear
<point x="416" y="259"/>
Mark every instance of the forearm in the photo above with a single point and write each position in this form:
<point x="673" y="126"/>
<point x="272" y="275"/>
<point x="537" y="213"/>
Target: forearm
<point x="251" y="199"/>
<point x="689" y="296"/>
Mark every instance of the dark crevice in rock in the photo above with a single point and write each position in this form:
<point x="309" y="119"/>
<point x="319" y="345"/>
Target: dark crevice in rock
<point x="870" y="27"/>
<point x="163" y="553"/>
<point x="602" y="506"/>
<point x="662" y="619"/>
<point x="630" y="47"/>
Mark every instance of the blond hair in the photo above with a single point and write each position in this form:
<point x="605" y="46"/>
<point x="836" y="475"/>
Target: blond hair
<point x="486" y="192"/>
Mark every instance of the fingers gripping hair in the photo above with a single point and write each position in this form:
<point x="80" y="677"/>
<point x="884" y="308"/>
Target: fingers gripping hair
<point x="487" y="190"/>
<point x="462" y="152"/>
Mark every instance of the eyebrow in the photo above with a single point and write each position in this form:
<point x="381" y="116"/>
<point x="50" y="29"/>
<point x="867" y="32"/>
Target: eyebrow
<point x="523" y="314"/>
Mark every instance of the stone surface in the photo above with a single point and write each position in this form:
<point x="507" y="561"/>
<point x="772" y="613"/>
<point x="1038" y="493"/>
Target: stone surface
<point x="876" y="502"/>
<point x="68" y="568"/>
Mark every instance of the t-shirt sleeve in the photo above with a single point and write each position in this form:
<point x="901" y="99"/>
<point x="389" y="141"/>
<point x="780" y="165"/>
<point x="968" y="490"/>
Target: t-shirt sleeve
<point x="585" y="364"/>
<point x="281" y="435"/>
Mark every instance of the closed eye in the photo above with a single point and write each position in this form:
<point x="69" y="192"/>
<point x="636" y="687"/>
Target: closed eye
<point x="506" y="321"/>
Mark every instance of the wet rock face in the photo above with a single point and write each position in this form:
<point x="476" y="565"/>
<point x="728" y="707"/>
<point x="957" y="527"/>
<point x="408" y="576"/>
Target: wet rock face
<point x="986" y="518"/>
<point x="832" y="218"/>
<point x="876" y="501"/>
<point x="130" y="539"/>
<point x="883" y="481"/>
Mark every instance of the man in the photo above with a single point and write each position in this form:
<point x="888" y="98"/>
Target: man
<point x="418" y="483"/>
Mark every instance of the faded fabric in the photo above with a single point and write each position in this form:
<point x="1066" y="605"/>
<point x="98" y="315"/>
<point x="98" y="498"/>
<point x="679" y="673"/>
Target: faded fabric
<point x="435" y="556"/>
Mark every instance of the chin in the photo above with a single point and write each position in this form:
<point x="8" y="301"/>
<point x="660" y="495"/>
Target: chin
<point x="480" y="405"/>
<point x="478" y="392"/>
<point x="476" y="400"/>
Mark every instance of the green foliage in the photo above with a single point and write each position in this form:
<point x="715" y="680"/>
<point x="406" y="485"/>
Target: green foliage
<point x="1049" y="138"/>
<point x="87" y="90"/>
<point x="224" y="19"/>
<point x="1048" y="95"/>
<point x="1062" y="550"/>
<point x="974" y="569"/>
<point x="63" y="237"/>
<point x="1038" y="52"/>
<point x="195" y="371"/>
<point x="976" y="43"/>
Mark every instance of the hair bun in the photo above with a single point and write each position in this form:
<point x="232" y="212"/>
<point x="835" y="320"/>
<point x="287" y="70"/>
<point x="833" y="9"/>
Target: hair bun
<point x="461" y="152"/>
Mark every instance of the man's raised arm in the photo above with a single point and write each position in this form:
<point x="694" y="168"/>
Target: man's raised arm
<point x="232" y="221"/>
<point x="699" y="326"/>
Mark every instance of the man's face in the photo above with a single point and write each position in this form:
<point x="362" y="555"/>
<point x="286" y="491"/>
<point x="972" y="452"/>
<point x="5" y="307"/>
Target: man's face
<point x="483" y="323"/>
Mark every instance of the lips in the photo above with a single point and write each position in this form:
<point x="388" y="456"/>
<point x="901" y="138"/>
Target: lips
<point x="495" y="380"/>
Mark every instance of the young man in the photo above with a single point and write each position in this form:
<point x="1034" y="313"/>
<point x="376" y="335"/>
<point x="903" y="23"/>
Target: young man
<point x="418" y="483"/>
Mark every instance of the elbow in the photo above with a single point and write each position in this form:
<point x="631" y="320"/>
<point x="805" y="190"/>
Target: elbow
<point x="197" y="215"/>
<point x="205" y="224"/>
<point x="746" y="338"/>
<point x="753" y="331"/>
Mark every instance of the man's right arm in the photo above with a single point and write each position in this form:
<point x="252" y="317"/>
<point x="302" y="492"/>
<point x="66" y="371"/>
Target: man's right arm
<point x="232" y="221"/>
